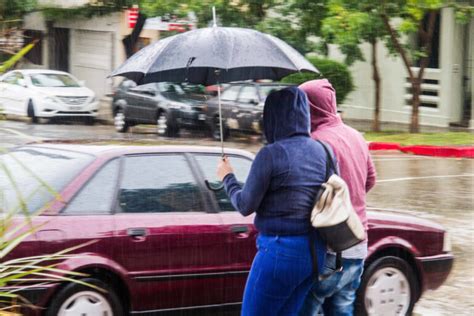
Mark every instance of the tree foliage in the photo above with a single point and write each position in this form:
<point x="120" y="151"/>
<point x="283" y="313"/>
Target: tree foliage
<point x="242" y="13"/>
<point x="15" y="9"/>
<point x="337" y="73"/>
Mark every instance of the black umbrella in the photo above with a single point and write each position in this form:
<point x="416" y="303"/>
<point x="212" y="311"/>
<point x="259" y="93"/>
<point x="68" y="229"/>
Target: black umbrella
<point x="214" y="55"/>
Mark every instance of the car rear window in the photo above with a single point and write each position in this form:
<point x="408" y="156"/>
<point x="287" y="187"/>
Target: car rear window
<point x="31" y="176"/>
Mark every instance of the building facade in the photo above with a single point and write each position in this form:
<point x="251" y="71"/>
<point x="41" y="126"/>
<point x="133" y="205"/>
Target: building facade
<point x="447" y="90"/>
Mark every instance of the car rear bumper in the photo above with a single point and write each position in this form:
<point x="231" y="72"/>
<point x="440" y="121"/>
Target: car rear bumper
<point x="436" y="270"/>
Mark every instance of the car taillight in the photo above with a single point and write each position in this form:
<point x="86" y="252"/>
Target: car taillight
<point x="447" y="245"/>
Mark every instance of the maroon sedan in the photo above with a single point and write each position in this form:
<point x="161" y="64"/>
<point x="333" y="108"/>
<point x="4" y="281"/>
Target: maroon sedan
<point x="165" y="243"/>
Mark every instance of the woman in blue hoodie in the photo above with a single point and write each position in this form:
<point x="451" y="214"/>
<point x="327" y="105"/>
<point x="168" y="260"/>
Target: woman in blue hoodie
<point x="281" y="189"/>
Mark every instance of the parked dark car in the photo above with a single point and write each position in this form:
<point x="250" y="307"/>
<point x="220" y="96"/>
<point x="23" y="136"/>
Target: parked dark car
<point x="242" y="107"/>
<point x="165" y="104"/>
<point x="165" y="243"/>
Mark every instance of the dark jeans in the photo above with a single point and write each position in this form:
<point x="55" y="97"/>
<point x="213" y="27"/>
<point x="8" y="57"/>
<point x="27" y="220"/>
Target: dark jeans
<point x="281" y="276"/>
<point x="336" y="294"/>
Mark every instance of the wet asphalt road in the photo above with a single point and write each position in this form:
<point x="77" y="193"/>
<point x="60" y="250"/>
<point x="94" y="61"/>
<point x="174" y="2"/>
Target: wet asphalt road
<point x="440" y="189"/>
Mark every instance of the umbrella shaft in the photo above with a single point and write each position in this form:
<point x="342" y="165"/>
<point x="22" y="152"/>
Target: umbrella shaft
<point x="220" y="119"/>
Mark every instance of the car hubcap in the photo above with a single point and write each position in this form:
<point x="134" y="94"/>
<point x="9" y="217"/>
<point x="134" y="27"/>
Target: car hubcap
<point x="119" y="121"/>
<point x="162" y="124"/>
<point x="387" y="293"/>
<point x="86" y="303"/>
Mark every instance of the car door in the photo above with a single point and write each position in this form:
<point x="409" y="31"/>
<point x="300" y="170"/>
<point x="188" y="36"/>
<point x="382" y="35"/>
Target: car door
<point x="246" y="106"/>
<point x="171" y="246"/>
<point x="139" y="101"/>
<point x="86" y="218"/>
<point x="241" y="233"/>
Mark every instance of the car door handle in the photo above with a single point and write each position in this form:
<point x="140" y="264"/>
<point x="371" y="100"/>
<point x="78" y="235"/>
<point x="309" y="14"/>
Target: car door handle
<point x="239" y="229"/>
<point x="136" y="232"/>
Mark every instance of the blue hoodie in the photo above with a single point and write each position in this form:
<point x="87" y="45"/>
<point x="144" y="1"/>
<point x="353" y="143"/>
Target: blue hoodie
<point x="287" y="173"/>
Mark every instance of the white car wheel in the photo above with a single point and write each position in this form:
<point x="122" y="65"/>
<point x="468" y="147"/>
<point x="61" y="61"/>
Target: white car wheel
<point x="162" y="124"/>
<point x="120" y="123"/>
<point x="86" y="303"/>
<point x="389" y="287"/>
<point x="387" y="293"/>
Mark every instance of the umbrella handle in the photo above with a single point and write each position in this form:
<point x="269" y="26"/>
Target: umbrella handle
<point x="211" y="188"/>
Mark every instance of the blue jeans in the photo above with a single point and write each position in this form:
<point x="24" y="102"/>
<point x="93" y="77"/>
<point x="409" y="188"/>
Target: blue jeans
<point x="336" y="294"/>
<point x="281" y="276"/>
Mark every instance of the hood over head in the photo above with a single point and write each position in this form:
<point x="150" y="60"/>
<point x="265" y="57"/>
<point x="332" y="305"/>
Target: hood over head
<point x="322" y="101"/>
<point x="286" y="114"/>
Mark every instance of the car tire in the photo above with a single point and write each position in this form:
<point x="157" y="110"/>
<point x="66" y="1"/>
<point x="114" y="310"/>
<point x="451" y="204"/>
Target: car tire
<point x="120" y="122"/>
<point x="31" y="112"/>
<point x="216" y="132"/>
<point x="165" y="126"/>
<point x="388" y="287"/>
<point x="78" y="299"/>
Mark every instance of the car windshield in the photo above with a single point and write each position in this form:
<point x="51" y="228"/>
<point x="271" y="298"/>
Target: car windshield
<point x="32" y="176"/>
<point x="167" y="87"/>
<point x="53" y="80"/>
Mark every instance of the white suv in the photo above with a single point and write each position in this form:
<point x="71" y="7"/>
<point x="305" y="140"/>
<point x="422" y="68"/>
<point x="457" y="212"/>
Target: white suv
<point x="40" y="93"/>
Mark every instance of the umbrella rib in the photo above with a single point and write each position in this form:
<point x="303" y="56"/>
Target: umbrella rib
<point x="159" y="53"/>
<point x="268" y="39"/>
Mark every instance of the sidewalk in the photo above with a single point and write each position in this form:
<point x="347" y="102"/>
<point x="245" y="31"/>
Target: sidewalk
<point x="425" y="150"/>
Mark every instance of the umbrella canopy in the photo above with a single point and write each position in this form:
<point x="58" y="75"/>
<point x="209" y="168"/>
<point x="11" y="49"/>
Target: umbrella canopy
<point x="236" y="53"/>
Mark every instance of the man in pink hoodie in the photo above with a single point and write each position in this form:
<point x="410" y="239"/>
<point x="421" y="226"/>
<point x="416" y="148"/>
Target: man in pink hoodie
<point x="337" y="293"/>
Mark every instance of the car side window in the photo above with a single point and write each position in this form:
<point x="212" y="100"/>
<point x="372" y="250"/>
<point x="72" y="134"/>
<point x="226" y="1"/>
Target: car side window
<point x="158" y="184"/>
<point x="150" y="88"/>
<point x="97" y="195"/>
<point x="248" y="94"/>
<point x="231" y="93"/>
<point x="208" y="164"/>
<point x="12" y="78"/>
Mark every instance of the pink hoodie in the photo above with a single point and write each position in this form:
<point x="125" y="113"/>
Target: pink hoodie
<point x="351" y="150"/>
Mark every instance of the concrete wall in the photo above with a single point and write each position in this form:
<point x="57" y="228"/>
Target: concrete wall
<point x="470" y="67"/>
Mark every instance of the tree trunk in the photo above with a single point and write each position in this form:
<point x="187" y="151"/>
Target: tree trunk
<point x="415" y="104"/>
<point x="376" y="78"/>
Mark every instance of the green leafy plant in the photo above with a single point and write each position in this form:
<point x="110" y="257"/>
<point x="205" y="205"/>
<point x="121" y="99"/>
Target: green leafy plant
<point x="337" y="73"/>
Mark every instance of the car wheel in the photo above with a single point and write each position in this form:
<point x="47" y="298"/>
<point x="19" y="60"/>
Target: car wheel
<point x="165" y="127"/>
<point x="31" y="112"/>
<point x="77" y="299"/>
<point x="120" y="123"/>
<point x="388" y="287"/>
<point x="216" y="132"/>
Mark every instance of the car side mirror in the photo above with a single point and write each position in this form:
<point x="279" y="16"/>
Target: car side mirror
<point x="82" y="83"/>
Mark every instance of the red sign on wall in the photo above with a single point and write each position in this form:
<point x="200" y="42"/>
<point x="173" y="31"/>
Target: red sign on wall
<point x="132" y="17"/>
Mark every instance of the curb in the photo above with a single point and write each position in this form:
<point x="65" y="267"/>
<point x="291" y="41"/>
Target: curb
<point x="425" y="150"/>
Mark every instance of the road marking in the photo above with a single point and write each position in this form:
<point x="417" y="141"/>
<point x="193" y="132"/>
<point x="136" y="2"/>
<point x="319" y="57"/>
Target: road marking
<point x="428" y="177"/>
<point x="22" y="135"/>
<point x="400" y="159"/>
